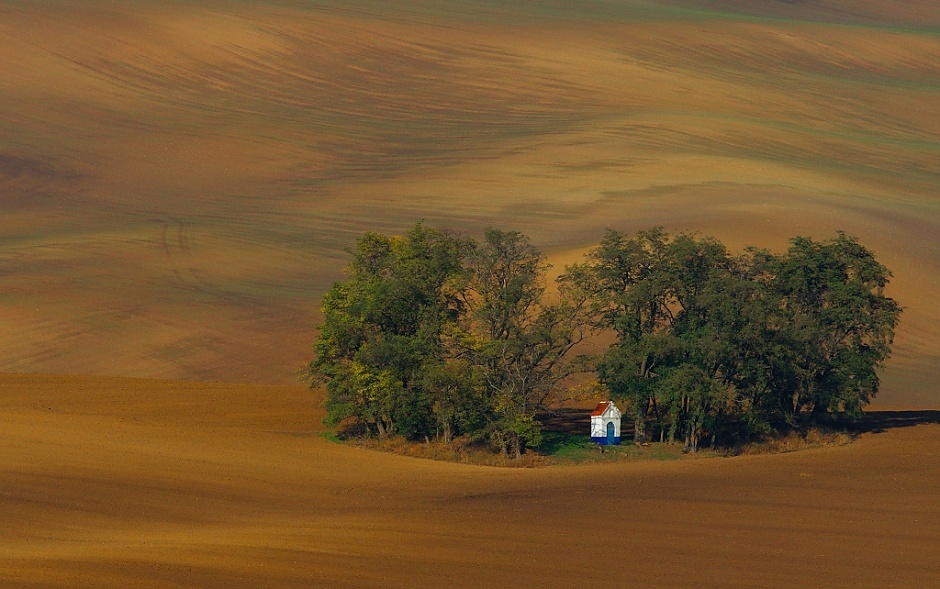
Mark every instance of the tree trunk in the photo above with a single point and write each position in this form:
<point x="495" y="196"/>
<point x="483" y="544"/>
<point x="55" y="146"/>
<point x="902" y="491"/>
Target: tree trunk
<point x="639" y="429"/>
<point x="517" y="447"/>
<point x="691" y="441"/>
<point x="639" y="423"/>
<point x="448" y="435"/>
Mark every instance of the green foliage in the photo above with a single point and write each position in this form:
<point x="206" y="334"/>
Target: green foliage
<point x="517" y="341"/>
<point x="437" y="336"/>
<point x="382" y="330"/>
<point x="707" y="343"/>
<point x="836" y="323"/>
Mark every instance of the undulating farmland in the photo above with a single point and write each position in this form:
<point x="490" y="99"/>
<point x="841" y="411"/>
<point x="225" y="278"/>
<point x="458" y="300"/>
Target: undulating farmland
<point x="178" y="180"/>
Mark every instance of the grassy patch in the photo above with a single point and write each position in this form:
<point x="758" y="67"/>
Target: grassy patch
<point x="330" y="436"/>
<point x="564" y="445"/>
<point x="568" y="448"/>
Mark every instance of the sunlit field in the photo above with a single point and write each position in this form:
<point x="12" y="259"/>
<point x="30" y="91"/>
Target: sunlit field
<point x="179" y="180"/>
<point x="111" y="482"/>
<point x="179" y="184"/>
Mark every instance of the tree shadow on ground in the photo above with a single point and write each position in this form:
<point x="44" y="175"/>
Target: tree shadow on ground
<point x="881" y="421"/>
<point x="566" y="420"/>
<point x="578" y="421"/>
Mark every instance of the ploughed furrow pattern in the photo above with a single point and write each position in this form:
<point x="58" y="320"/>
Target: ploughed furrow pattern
<point x="176" y="172"/>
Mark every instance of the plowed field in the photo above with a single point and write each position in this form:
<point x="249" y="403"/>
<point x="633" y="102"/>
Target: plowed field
<point x="179" y="180"/>
<point x="108" y="482"/>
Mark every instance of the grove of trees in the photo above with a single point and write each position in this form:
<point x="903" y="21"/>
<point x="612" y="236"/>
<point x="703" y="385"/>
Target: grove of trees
<point x="434" y="335"/>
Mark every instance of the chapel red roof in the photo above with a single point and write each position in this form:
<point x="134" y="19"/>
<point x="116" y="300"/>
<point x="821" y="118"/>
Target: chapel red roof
<point x="601" y="407"/>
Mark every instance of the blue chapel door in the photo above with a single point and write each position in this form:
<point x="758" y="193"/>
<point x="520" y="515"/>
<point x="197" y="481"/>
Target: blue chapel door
<point x="610" y="433"/>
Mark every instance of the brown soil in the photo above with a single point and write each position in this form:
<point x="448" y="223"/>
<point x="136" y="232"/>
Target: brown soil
<point x="178" y="180"/>
<point x="108" y="482"/>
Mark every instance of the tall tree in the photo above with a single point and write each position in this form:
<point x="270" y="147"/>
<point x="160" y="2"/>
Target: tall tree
<point x="382" y="329"/>
<point x="837" y="325"/>
<point x="728" y="337"/>
<point x="704" y="339"/>
<point x="518" y="341"/>
<point x="629" y="280"/>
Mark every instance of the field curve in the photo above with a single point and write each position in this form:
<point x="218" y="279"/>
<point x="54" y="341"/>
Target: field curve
<point x="111" y="482"/>
<point x="277" y="132"/>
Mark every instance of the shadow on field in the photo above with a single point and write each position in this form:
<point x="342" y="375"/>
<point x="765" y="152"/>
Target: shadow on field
<point x="881" y="421"/>
<point x="578" y="421"/>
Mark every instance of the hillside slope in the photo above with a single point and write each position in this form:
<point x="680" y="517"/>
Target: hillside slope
<point x="108" y="482"/>
<point x="178" y="180"/>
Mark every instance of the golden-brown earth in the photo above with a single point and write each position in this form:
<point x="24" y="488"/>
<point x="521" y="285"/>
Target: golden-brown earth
<point x="178" y="182"/>
<point x="110" y="482"/>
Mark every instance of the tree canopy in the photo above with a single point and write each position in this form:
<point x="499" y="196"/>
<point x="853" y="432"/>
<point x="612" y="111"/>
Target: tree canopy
<point x="435" y="335"/>
<point x="707" y="342"/>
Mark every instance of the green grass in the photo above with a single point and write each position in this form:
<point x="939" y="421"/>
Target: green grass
<point x="567" y="448"/>
<point x="564" y="448"/>
<point x="330" y="436"/>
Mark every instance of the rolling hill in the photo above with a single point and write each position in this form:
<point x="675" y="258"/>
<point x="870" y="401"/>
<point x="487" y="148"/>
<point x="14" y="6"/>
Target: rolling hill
<point x="116" y="482"/>
<point x="179" y="180"/>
